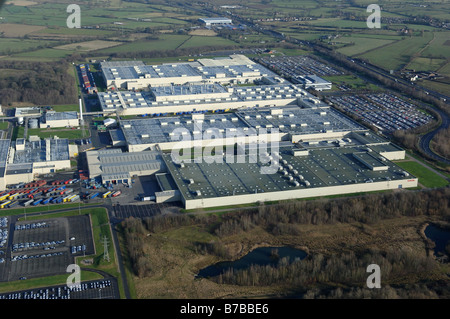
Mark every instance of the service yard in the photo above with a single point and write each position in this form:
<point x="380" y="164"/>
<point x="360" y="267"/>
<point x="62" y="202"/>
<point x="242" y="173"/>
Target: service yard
<point x="46" y="247"/>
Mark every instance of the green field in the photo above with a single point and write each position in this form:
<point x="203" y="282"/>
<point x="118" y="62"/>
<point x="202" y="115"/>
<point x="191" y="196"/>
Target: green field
<point x="426" y="177"/>
<point x="398" y="54"/>
<point x="357" y="45"/>
<point x="198" y="41"/>
<point x="351" y="81"/>
<point x="426" y="64"/>
<point x="61" y="133"/>
<point x="66" y="107"/>
<point x="9" y="45"/>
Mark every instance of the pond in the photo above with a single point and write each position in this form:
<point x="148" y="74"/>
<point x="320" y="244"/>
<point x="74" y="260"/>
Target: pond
<point x="440" y="237"/>
<point x="259" y="256"/>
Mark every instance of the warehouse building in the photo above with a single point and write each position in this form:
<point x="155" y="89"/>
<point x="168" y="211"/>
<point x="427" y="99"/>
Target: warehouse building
<point x="319" y="172"/>
<point x="320" y="152"/>
<point x="22" y="160"/>
<point x="21" y="113"/>
<point x="312" y="82"/>
<point x="4" y="147"/>
<point x="59" y="119"/>
<point x="134" y="75"/>
<point x="113" y="165"/>
<point x="199" y="97"/>
<point x="215" y="21"/>
<point x="288" y="123"/>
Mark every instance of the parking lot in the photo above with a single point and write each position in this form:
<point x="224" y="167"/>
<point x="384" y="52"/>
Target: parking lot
<point x="94" y="289"/>
<point x="385" y="111"/>
<point x="45" y="247"/>
<point x="142" y="211"/>
<point x="293" y="66"/>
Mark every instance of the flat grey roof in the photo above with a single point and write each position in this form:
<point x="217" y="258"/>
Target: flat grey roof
<point x="19" y="169"/>
<point x="119" y="163"/>
<point x="296" y="120"/>
<point x="37" y="151"/>
<point x="321" y="168"/>
<point x="158" y="130"/>
<point x="258" y="94"/>
<point x="4" y="150"/>
<point x="57" y="116"/>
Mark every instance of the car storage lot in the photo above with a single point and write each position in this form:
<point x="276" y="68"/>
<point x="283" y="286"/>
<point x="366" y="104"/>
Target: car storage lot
<point x="94" y="289"/>
<point x="386" y="111"/>
<point x="294" y="66"/>
<point x="141" y="211"/>
<point x="39" y="248"/>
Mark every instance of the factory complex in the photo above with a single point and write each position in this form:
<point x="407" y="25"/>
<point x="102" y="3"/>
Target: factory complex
<point x="133" y="75"/>
<point x="21" y="161"/>
<point x="214" y="132"/>
<point x="210" y="141"/>
<point x="220" y="159"/>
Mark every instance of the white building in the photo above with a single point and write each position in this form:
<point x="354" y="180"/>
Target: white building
<point x="22" y="160"/>
<point x="52" y="119"/>
<point x="313" y="82"/>
<point x="216" y="21"/>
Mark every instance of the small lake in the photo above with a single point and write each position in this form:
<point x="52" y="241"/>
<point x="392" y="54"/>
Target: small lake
<point x="440" y="237"/>
<point x="259" y="256"/>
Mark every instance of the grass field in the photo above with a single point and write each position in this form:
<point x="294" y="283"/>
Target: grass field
<point x="352" y="82"/>
<point x="400" y="53"/>
<point x="18" y="30"/>
<point x="61" y="133"/>
<point x="4" y="125"/>
<point x="198" y="41"/>
<point x="66" y="107"/>
<point x="426" y="177"/>
<point x="10" y="45"/>
<point x="426" y="64"/>
<point x="88" y="45"/>
<point x="359" y="45"/>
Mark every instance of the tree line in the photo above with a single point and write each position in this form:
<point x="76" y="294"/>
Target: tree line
<point x="441" y="143"/>
<point x="282" y="219"/>
<point x="345" y="269"/>
<point x="37" y="83"/>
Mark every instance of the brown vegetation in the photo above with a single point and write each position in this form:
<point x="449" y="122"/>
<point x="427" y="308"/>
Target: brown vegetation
<point x="37" y="83"/>
<point x="440" y="142"/>
<point x="342" y="236"/>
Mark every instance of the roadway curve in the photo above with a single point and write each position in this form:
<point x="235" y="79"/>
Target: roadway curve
<point x="425" y="140"/>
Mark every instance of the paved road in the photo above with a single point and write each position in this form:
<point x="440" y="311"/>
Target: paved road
<point x="425" y="140"/>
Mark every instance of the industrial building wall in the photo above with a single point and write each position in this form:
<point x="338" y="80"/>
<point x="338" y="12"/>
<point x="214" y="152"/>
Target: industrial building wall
<point x="168" y="196"/>
<point x="205" y="106"/>
<point x="51" y="166"/>
<point x="298" y="193"/>
<point x="3" y="184"/>
<point x="17" y="178"/>
<point x="190" y="142"/>
<point x="60" y="123"/>
<point x="318" y="136"/>
<point x="393" y="156"/>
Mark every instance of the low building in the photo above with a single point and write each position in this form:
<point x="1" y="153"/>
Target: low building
<point x="113" y="165"/>
<point x="135" y="75"/>
<point x="51" y="119"/>
<point x="216" y="21"/>
<point x="22" y="160"/>
<point x="21" y="113"/>
<point x="313" y="82"/>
